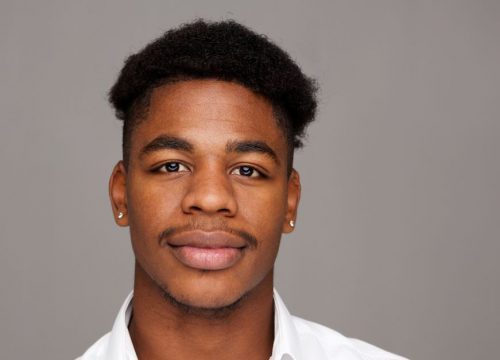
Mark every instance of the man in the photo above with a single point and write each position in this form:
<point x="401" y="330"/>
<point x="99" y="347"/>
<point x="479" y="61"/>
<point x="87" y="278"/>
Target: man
<point x="212" y="114"/>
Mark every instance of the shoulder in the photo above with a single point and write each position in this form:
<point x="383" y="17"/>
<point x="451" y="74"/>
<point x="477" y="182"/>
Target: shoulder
<point x="330" y="344"/>
<point x="97" y="350"/>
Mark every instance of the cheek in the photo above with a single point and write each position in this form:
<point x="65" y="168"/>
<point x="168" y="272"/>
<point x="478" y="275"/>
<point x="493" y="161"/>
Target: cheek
<point x="264" y="209"/>
<point x="151" y="208"/>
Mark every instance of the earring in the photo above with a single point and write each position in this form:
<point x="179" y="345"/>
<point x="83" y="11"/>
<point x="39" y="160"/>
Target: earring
<point x="120" y="215"/>
<point x="292" y="223"/>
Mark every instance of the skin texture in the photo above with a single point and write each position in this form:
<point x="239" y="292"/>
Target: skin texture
<point x="214" y="187"/>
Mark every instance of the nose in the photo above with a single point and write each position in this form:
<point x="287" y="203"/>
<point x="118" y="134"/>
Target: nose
<point x="210" y="192"/>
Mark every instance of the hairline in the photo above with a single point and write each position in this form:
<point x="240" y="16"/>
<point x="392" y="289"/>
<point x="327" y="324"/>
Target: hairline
<point x="139" y="110"/>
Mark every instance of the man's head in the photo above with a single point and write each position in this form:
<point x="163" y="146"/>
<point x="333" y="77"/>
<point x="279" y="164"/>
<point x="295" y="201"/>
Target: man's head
<point x="212" y="113"/>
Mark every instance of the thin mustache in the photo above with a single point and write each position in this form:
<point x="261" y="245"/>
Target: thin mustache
<point x="175" y="230"/>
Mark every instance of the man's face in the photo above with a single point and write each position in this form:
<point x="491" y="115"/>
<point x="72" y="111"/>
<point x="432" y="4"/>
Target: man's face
<point x="206" y="193"/>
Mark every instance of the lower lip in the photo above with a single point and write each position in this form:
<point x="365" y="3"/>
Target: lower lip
<point x="207" y="258"/>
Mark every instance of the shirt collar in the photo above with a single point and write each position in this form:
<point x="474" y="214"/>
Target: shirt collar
<point x="286" y="338"/>
<point x="120" y="343"/>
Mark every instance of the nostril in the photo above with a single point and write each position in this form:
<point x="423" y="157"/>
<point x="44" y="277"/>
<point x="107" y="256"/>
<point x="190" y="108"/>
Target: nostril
<point x="224" y="211"/>
<point x="200" y="209"/>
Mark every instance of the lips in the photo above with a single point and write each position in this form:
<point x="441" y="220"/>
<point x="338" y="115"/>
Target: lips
<point x="201" y="250"/>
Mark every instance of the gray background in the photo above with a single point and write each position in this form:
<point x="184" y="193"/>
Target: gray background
<point x="397" y="240"/>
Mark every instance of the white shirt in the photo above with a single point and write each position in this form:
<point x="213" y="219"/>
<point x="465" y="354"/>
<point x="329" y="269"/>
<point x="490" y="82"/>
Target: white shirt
<point x="294" y="339"/>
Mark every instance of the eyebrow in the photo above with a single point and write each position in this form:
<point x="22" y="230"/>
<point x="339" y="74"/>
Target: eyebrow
<point x="163" y="142"/>
<point x="167" y="142"/>
<point x="251" y="147"/>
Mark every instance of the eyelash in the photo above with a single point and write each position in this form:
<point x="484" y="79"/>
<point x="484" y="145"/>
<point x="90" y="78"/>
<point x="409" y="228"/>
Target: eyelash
<point x="252" y="169"/>
<point x="164" y="169"/>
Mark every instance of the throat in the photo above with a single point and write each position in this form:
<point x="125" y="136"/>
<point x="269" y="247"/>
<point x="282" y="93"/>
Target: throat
<point x="168" y="329"/>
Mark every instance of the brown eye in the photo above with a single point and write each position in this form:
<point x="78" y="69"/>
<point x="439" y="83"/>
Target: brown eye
<point x="247" y="171"/>
<point x="173" y="167"/>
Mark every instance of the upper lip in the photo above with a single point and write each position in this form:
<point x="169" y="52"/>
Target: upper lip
<point x="207" y="239"/>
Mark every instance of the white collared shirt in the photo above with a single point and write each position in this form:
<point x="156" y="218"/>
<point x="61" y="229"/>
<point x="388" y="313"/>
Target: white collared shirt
<point x="294" y="339"/>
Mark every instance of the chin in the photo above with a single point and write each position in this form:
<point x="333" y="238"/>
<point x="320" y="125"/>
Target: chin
<point x="204" y="303"/>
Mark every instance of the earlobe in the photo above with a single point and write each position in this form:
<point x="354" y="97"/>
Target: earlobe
<point x="293" y="199"/>
<point x="118" y="193"/>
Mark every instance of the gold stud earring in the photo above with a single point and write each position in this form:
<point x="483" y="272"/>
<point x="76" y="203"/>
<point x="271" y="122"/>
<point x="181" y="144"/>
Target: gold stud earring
<point x="120" y="215"/>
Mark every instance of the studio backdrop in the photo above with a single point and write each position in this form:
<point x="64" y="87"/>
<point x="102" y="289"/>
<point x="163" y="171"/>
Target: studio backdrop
<point x="397" y="237"/>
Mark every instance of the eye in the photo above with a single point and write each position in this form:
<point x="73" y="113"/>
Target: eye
<point x="173" y="167"/>
<point x="247" y="171"/>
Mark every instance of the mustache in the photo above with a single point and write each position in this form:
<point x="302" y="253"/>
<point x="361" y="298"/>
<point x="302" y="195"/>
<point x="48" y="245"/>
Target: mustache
<point x="250" y="240"/>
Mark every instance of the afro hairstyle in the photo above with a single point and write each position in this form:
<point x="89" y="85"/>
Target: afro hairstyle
<point x="226" y="51"/>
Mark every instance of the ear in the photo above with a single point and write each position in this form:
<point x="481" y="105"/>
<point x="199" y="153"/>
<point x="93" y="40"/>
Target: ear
<point x="118" y="193"/>
<point x="293" y="199"/>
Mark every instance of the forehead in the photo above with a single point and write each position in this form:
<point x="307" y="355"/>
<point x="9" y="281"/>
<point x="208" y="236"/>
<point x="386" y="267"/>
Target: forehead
<point x="208" y="112"/>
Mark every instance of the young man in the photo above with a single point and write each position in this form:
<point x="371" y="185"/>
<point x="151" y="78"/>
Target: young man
<point x="212" y="114"/>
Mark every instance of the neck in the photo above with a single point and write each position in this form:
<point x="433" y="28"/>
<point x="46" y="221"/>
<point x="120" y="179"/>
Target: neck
<point x="162" y="329"/>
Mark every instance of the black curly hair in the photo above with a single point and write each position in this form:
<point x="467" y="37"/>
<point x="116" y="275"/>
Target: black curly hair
<point x="225" y="51"/>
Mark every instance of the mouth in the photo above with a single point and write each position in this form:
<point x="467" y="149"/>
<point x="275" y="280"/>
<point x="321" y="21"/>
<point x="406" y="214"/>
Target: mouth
<point x="207" y="250"/>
